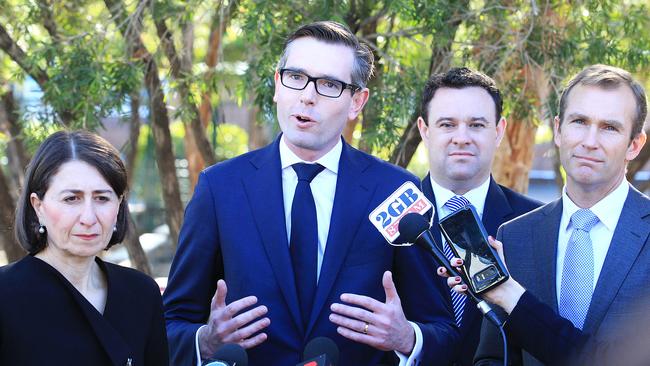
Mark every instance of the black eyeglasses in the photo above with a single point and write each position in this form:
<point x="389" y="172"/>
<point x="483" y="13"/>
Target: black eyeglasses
<point x="326" y="87"/>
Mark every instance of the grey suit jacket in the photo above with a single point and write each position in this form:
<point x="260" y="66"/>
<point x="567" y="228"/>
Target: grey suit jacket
<point x="530" y="246"/>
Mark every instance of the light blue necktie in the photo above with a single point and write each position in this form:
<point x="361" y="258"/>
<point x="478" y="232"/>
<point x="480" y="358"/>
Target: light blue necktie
<point x="578" y="270"/>
<point x="457" y="300"/>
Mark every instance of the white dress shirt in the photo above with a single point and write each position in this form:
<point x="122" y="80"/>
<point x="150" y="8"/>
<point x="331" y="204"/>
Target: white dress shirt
<point x="476" y="197"/>
<point x="323" y="188"/>
<point x="608" y="211"/>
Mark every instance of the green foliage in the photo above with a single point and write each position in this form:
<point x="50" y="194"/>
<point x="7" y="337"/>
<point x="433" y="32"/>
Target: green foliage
<point x="85" y="85"/>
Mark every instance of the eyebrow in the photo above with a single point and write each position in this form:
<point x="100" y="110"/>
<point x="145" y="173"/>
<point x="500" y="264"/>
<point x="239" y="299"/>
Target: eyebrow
<point x="612" y="122"/>
<point x="77" y="191"/>
<point x="473" y="119"/>
<point x="321" y="76"/>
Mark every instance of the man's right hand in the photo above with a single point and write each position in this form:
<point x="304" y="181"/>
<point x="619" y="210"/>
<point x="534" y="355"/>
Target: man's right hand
<point x="227" y="325"/>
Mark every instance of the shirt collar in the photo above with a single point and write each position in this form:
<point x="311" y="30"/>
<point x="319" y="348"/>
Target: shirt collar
<point x="475" y="196"/>
<point x="330" y="160"/>
<point x="608" y="209"/>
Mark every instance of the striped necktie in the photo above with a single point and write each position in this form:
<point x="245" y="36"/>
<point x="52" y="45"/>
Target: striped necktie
<point x="457" y="300"/>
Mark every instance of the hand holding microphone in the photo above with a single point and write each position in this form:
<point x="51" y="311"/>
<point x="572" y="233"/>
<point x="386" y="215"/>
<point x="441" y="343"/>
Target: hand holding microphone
<point x="506" y="295"/>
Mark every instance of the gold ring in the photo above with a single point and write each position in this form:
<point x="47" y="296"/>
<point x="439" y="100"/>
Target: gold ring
<point x="365" y="328"/>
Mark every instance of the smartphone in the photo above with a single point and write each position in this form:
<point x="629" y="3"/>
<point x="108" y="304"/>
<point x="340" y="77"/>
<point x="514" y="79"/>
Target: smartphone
<point x="482" y="268"/>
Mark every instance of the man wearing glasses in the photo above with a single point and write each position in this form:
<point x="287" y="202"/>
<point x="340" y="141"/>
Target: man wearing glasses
<point x="286" y="228"/>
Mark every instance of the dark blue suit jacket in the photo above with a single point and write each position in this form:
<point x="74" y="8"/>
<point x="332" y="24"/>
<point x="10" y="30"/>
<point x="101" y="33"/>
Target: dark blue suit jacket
<point x="501" y="205"/>
<point x="530" y="247"/>
<point x="235" y="229"/>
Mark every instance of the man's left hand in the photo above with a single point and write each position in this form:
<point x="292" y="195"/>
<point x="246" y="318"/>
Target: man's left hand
<point x="377" y="324"/>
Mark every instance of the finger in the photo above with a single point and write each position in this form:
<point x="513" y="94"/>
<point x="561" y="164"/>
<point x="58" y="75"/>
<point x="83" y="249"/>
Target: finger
<point x="219" y="298"/>
<point x="237" y="306"/>
<point x="461" y="289"/>
<point x="389" y="288"/>
<point x="453" y="281"/>
<point x="362" y="301"/>
<point x="353" y="312"/>
<point x="352" y="324"/>
<point x="442" y="272"/>
<point x="254" y="341"/>
<point x="249" y="330"/>
<point x="357" y="337"/>
<point x="456" y="262"/>
<point x="498" y="246"/>
<point x="245" y="318"/>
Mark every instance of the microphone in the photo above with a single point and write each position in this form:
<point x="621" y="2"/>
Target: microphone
<point x="414" y="228"/>
<point x="229" y="354"/>
<point x="320" y="351"/>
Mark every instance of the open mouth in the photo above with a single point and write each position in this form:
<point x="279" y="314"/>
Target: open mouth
<point x="303" y="118"/>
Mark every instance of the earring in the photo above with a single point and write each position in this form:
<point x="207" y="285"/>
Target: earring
<point x="41" y="229"/>
<point x="114" y="228"/>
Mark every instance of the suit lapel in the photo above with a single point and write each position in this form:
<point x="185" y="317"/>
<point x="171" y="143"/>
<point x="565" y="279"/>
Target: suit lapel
<point x="630" y="236"/>
<point x="544" y="237"/>
<point x="351" y="199"/>
<point x="427" y="189"/>
<point x="496" y="209"/>
<point x="264" y="189"/>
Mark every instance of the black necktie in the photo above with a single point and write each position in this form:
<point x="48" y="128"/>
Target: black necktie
<point x="303" y="243"/>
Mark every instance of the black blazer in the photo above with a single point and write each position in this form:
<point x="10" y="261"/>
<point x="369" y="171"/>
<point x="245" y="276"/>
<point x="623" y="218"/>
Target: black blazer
<point x="44" y="320"/>
<point x="501" y="205"/>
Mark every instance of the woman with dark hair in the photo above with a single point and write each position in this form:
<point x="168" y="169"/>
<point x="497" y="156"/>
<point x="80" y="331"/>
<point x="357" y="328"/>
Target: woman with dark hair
<point x="61" y="304"/>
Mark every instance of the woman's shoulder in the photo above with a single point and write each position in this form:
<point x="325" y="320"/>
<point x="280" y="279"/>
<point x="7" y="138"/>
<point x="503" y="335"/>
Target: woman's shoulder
<point x="18" y="269"/>
<point x="130" y="279"/>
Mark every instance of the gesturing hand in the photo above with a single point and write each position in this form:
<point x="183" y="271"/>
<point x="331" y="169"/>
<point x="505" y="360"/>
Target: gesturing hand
<point x="377" y="324"/>
<point x="227" y="325"/>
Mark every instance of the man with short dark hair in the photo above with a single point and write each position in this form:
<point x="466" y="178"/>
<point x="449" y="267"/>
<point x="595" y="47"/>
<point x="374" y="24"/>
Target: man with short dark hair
<point x="585" y="256"/>
<point x="286" y="227"/>
<point x="461" y="125"/>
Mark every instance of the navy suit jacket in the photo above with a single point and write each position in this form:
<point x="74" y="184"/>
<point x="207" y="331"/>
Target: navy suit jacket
<point x="501" y="204"/>
<point x="530" y="246"/>
<point x="235" y="229"/>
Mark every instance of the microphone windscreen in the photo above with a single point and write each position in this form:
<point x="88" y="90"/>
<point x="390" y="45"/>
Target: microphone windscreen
<point x="322" y="346"/>
<point x="232" y="353"/>
<point x="411" y="226"/>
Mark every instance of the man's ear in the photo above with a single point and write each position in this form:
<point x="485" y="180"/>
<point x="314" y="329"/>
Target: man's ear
<point x="556" y="131"/>
<point x="278" y="84"/>
<point x="423" y="127"/>
<point x="635" y="146"/>
<point x="501" y="129"/>
<point x="359" y="99"/>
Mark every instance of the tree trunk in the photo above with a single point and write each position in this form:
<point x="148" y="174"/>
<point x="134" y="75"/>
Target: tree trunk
<point x="440" y="61"/>
<point x="178" y="68"/>
<point x="16" y="153"/>
<point x="137" y="256"/>
<point x="513" y="159"/>
<point x="134" y="137"/>
<point x="130" y="26"/>
<point x="165" y="158"/>
<point x="13" y="251"/>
